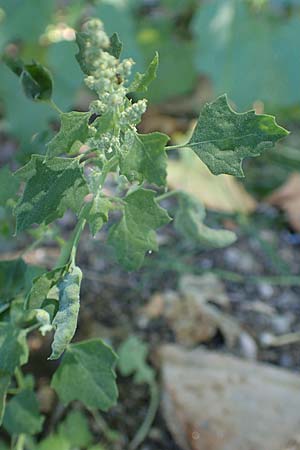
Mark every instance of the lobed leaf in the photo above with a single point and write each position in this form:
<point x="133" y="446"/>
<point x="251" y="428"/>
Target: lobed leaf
<point x="133" y="360"/>
<point x="90" y="366"/>
<point x="22" y="414"/>
<point x="65" y="320"/>
<point x="52" y="187"/>
<point x="13" y="348"/>
<point x="189" y="221"/>
<point x="135" y="234"/>
<point x="142" y="81"/>
<point x="223" y="138"/>
<point x="146" y="159"/>
<point x="116" y="46"/>
<point x="74" y="127"/>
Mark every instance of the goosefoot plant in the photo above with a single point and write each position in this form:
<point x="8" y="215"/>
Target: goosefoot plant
<point x="71" y="175"/>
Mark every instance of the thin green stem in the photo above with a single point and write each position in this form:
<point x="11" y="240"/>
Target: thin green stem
<point x="167" y="195"/>
<point x="19" y="377"/>
<point x="68" y="251"/>
<point x="150" y="416"/>
<point x="54" y="106"/>
<point x="20" y="442"/>
<point x="174" y="147"/>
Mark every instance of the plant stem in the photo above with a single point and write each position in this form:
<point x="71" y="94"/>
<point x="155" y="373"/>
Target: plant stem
<point x="54" y="106"/>
<point x="150" y="416"/>
<point x="20" y="442"/>
<point x="19" y="377"/>
<point x="68" y="250"/>
<point x="167" y="195"/>
<point x="174" y="147"/>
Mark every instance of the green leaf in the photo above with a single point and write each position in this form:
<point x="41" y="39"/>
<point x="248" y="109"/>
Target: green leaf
<point x="66" y="317"/>
<point x="22" y="414"/>
<point x="90" y="366"/>
<point x="75" y="428"/>
<point x="8" y="185"/>
<point x="81" y="40"/>
<point x="146" y="159"/>
<point x="36" y="81"/>
<point x="97" y="215"/>
<point x="135" y="234"/>
<point x="54" y="442"/>
<point x="4" y="383"/>
<point x="142" y="81"/>
<point x="116" y="45"/>
<point x="232" y="36"/>
<point x="13" y="347"/>
<point x="133" y="360"/>
<point x="12" y="278"/>
<point x="223" y="138"/>
<point x="189" y="221"/>
<point x="41" y="287"/>
<point x="74" y="127"/>
<point x="52" y="187"/>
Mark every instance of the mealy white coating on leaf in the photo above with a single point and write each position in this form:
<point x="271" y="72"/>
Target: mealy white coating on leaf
<point x="66" y="317"/>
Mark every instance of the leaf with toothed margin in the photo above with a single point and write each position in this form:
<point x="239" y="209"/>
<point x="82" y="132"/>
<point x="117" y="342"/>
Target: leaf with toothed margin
<point x="135" y="234"/>
<point x="116" y="46"/>
<point x="74" y="127"/>
<point x="146" y="158"/>
<point x="142" y="81"/>
<point x="53" y="186"/>
<point x="223" y="138"/>
<point x="90" y="366"/>
<point x="189" y="221"/>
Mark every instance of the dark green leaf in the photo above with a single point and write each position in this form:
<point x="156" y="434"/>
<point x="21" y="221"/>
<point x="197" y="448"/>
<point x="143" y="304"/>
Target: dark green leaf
<point x="4" y="383"/>
<point x="142" y="81"/>
<point x="223" y="138"/>
<point x="12" y="278"/>
<point x="65" y="321"/>
<point x="13" y="348"/>
<point x="189" y="221"/>
<point x="52" y="187"/>
<point x="146" y="159"/>
<point x="90" y="366"/>
<point x="16" y="65"/>
<point x="115" y="47"/>
<point x="74" y="127"/>
<point x="135" y="234"/>
<point x="36" y="82"/>
<point x="22" y="414"/>
<point x="8" y="185"/>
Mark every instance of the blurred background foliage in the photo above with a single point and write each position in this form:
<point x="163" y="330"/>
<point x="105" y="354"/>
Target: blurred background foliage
<point x="247" y="48"/>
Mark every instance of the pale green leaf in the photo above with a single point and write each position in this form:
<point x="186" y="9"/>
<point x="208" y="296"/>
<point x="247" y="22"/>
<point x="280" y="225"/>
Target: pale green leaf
<point x="52" y="187"/>
<point x="75" y="428"/>
<point x="74" y="127"/>
<point x="189" y="221"/>
<point x="133" y="360"/>
<point x="41" y="287"/>
<point x="4" y="383"/>
<point x="146" y="159"/>
<point x="65" y="320"/>
<point x="135" y="234"/>
<point x="97" y="215"/>
<point x="142" y="81"/>
<point x="86" y="373"/>
<point x="22" y="414"/>
<point x="54" y="442"/>
<point x="13" y="347"/>
<point x="223" y="138"/>
<point x="8" y="185"/>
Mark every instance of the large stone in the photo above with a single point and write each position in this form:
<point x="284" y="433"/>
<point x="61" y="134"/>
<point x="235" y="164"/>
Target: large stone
<point x="212" y="401"/>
